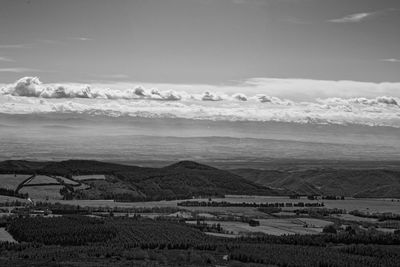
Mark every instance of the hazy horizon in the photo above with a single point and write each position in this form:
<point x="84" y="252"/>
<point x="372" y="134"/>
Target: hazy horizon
<point x="179" y="79"/>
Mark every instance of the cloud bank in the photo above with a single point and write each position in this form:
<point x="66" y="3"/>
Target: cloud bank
<point x="28" y="95"/>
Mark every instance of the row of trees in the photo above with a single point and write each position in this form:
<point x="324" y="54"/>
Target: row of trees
<point x="247" y="204"/>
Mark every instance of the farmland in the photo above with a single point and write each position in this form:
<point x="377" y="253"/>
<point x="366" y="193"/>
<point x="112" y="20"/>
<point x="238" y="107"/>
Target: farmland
<point x="119" y="218"/>
<point x="371" y="205"/>
<point x="11" y="181"/>
<point x="274" y="226"/>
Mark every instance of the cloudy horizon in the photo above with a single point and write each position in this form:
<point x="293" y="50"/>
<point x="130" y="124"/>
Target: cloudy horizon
<point x="310" y="64"/>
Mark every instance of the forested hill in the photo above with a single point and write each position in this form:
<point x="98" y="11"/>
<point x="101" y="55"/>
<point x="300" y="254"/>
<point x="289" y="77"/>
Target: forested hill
<point x="352" y="182"/>
<point x="180" y="180"/>
<point x="188" y="178"/>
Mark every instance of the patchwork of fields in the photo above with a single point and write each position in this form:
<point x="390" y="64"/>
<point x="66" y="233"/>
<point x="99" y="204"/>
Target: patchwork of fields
<point x="274" y="226"/>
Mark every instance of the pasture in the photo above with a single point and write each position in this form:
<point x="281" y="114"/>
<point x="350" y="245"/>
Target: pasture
<point x="89" y="177"/>
<point x="273" y="226"/>
<point x="5" y="236"/>
<point x="44" y="179"/>
<point x="38" y="193"/>
<point x="11" y="181"/>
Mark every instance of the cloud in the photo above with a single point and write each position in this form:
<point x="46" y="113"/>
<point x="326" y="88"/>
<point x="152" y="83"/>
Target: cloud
<point x="353" y="18"/>
<point x="81" y="38"/>
<point x="6" y="59"/>
<point x="286" y="90"/>
<point x="208" y="96"/>
<point x="29" y="95"/>
<point x="272" y="100"/>
<point x="359" y="17"/>
<point x="370" y="112"/>
<point x="33" y="87"/>
<point x="393" y="60"/>
<point x="381" y="100"/>
<point x="19" y="70"/>
<point x="240" y="97"/>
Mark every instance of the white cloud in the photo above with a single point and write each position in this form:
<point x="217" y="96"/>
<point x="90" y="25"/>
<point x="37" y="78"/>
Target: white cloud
<point x="81" y="38"/>
<point x="393" y="60"/>
<point x="357" y="17"/>
<point x="208" y="96"/>
<point x="29" y="95"/>
<point x="18" y="70"/>
<point x="293" y="89"/>
<point x="240" y="97"/>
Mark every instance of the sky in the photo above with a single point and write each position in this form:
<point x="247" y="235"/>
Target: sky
<point x="213" y="42"/>
<point x="93" y="77"/>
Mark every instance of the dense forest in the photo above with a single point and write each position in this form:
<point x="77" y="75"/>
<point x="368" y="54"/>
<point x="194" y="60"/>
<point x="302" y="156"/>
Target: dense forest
<point x="122" y="240"/>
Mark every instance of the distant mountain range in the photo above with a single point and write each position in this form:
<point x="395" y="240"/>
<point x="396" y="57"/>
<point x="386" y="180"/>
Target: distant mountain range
<point x="188" y="178"/>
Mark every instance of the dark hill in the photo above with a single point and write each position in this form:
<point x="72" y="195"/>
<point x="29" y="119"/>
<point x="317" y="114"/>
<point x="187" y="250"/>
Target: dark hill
<point x="85" y="167"/>
<point x="180" y="180"/>
<point x="67" y="167"/>
<point x="189" y="165"/>
<point x="21" y="166"/>
<point x="187" y="179"/>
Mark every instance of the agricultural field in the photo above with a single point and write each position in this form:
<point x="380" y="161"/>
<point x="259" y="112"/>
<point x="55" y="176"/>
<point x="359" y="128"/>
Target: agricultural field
<point x="89" y="177"/>
<point x="350" y="217"/>
<point x="5" y="236"/>
<point x="10" y="199"/>
<point x="11" y="181"/>
<point x="273" y="226"/>
<point x="43" y="179"/>
<point x="42" y="192"/>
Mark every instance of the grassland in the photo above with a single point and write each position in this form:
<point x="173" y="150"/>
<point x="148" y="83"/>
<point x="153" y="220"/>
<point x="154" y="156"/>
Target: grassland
<point x="5" y="236"/>
<point x="89" y="177"/>
<point x="11" y="181"/>
<point x="274" y="226"/>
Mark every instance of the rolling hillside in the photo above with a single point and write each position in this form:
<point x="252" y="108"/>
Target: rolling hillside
<point x="131" y="183"/>
<point x="374" y="182"/>
<point x="187" y="178"/>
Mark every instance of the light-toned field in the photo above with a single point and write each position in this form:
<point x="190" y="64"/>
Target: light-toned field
<point x="5" y="236"/>
<point x="349" y="217"/>
<point x="314" y="223"/>
<point x="11" y="181"/>
<point x="274" y="226"/>
<point x="220" y="235"/>
<point x="41" y="192"/>
<point x="9" y="199"/>
<point x="42" y="179"/>
<point x="89" y="177"/>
